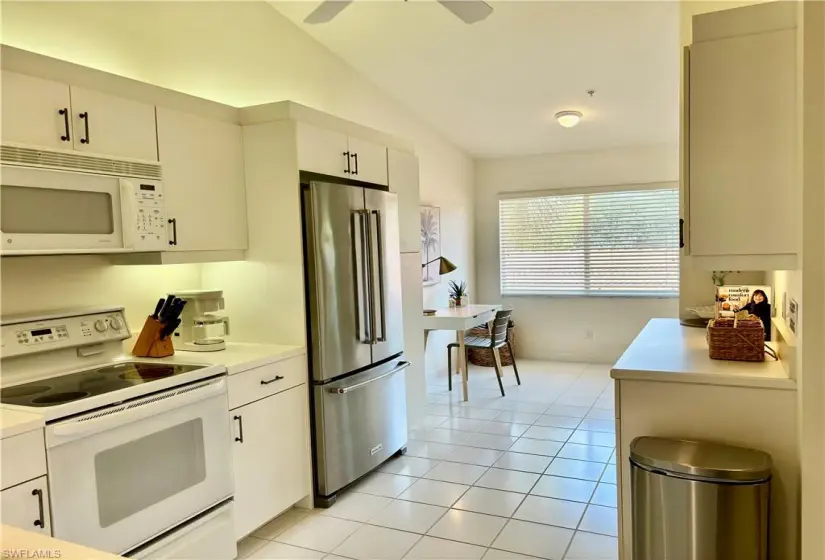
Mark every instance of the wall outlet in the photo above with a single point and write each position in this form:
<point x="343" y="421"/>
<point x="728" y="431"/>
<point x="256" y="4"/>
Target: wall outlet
<point x="588" y="334"/>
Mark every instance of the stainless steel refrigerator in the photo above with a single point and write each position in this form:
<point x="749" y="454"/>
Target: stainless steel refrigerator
<point x="355" y="331"/>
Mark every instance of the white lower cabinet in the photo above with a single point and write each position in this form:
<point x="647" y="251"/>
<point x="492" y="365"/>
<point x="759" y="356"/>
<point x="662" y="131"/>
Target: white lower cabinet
<point x="272" y="470"/>
<point x="27" y="506"/>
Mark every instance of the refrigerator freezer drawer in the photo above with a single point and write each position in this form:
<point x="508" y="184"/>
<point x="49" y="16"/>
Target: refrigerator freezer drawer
<point x="360" y="421"/>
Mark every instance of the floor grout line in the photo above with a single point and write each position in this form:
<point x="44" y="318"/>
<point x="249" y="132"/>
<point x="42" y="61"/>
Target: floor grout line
<point x="455" y="406"/>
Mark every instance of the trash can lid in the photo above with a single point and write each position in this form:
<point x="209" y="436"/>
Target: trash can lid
<point x="701" y="459"/>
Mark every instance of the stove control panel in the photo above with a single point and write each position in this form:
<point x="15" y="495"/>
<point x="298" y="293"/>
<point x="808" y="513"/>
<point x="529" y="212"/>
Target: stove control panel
<point x="52" y="332"/>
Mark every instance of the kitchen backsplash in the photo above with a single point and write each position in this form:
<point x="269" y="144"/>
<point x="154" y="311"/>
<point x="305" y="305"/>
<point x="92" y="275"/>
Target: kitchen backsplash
<point x="56" y="282"/>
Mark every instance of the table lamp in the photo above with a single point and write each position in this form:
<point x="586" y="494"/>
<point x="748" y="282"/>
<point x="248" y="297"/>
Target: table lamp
<point x="444" y="267"/>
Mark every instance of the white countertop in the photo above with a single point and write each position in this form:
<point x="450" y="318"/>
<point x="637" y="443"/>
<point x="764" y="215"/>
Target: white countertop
<point x="238" y="356"/>
<point x="17" y="541"/>
<point x="669" y="352"/>
<point x="14" y="422"/>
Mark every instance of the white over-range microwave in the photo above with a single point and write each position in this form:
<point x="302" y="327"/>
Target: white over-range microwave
<point x="79" y="204"/>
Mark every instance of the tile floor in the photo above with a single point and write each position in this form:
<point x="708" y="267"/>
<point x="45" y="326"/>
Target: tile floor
<point x="529" y="475"/>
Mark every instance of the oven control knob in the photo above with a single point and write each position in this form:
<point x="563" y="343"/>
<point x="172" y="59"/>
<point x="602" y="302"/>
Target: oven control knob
<point x="101" y="325"/>
<point x="116" y="323"/>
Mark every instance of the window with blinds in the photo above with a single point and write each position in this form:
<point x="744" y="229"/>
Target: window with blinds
<point x="612" y="243"/>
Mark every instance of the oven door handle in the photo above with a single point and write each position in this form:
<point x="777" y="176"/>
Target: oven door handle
<point x="125" y="413"/>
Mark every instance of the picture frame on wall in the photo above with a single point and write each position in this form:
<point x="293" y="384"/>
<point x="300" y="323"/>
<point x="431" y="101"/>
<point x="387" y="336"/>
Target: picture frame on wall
<point x="430" y="244"/>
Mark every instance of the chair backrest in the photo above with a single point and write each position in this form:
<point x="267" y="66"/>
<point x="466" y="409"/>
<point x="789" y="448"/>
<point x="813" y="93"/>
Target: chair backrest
<point x="500" y="326"/>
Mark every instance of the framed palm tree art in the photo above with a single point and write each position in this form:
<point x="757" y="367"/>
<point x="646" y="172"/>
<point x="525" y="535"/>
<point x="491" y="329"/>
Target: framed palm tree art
<point x="430" y="244"/>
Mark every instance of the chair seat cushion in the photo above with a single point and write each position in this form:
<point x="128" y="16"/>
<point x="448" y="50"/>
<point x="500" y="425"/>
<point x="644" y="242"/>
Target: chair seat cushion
<point x="477" y="342"/>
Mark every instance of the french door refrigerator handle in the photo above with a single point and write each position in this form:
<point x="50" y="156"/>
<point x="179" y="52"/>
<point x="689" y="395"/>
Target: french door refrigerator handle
<point x="379" y="244"/>
<point x="361" y="288"/>
<point x="367" y="215"/>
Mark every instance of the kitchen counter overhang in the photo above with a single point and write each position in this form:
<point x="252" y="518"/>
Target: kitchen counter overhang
<point x="667" y="351"/>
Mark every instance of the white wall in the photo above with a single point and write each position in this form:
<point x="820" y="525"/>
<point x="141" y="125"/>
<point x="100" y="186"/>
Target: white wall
<point x="238" y="53"/>
<point x="555" y="327"/>
<point x="46" y="283"/>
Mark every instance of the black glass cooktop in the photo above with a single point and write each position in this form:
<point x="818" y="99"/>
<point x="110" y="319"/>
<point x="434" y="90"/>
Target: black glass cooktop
<point x="89" y="383"/>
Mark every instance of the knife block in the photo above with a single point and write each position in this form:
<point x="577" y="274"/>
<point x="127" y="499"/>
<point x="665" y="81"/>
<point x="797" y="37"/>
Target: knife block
<point x="149" y="344"/>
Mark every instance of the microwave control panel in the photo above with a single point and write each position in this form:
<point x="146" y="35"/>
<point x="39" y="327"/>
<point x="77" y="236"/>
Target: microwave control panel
<point x="62" y="332"/>
<point x="150" y="216"/>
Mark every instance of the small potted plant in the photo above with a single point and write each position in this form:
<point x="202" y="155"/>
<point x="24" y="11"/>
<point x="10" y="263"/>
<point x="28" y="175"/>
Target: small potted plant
<point x="458" y="294"/>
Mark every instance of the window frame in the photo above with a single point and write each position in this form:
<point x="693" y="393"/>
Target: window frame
<point x="663" y="185"/>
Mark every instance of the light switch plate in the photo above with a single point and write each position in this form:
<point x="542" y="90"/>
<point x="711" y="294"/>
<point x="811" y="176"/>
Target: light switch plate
<point x="793" y="315"/>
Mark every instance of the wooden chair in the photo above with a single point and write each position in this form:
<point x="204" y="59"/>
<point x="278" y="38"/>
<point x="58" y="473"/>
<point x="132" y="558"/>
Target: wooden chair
<point x="498" y="339"/>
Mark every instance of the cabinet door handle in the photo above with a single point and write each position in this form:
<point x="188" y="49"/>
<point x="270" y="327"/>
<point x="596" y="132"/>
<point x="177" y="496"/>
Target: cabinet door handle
<point x="273" y="380"/>
<point x="239" y="418"/>
<point x="85" y="117"/>
<point x="681" y="233"/>
<point x="347" y="170"/>
<point x="355" y="156"/>
<point x="41" y="521"/>
<point x="174" y="222"/>
<point x="65" y="113"/>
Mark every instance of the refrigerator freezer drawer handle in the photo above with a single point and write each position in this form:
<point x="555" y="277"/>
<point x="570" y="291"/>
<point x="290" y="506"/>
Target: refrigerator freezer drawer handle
<point x="343" y="390"/>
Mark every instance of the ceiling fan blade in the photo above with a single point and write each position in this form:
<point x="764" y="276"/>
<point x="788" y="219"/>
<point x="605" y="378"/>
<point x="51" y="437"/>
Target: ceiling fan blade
<point x="469" y="11"/>
<point x="326" y="11"/>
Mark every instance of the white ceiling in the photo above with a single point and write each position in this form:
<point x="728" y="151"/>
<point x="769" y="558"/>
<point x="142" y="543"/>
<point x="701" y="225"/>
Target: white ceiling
<point x="493" y="87"/>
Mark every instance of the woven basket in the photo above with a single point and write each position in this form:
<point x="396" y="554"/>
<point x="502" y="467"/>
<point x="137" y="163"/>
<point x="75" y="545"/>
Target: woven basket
<point x="736" y="339"/>
<point x="484" y="358"/>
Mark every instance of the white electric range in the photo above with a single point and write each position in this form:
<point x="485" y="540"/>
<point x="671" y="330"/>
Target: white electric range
<point x="138" y="451"/>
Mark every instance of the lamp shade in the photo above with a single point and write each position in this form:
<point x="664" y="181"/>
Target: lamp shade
<point x="444" y="265"/>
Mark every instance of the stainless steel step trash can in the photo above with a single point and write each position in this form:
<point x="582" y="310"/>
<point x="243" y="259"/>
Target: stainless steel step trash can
<point x="698" y="501"/>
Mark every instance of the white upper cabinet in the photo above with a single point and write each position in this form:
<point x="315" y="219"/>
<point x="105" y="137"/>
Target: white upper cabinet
<point x="742" y="137"/>
<point x="32" y="114"/>
<point x="369" y="161"/>
<point x="334" y="153"/>
<point x="203" y="179"/>
<point x="113" y="126"/>
<point x="322" y="151"/>
<point x="403" y="178"/>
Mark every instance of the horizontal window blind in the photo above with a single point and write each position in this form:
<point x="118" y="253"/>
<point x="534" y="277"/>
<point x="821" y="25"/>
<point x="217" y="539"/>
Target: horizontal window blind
<point x="621" y="242"/>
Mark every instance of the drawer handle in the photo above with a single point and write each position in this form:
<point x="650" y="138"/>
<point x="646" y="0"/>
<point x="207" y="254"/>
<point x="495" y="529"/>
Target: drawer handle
<point x="41" y="522"/>
<point x="239" y="418"/>
<point x="273" y="380"/>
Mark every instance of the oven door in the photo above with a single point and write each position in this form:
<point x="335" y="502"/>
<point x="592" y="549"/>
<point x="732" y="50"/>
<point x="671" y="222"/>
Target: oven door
<point x="45" y="211"/>
<point x="123" y="475"/>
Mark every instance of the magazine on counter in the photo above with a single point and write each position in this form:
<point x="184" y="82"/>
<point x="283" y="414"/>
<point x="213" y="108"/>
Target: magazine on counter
<point x="756" y="300"/>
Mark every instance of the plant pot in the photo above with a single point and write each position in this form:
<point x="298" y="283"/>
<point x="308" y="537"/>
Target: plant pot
<point x="463" y="302"/>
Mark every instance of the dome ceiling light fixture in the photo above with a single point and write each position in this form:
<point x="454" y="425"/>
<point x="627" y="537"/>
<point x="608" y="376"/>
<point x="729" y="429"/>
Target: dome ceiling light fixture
<point x="568" y="119"/>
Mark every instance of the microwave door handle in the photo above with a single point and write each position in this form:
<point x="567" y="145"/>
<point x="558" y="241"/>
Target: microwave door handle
<point x="153" y="406"/>
<point x="127" y="213"/>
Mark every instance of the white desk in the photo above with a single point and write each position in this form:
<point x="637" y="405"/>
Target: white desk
<point x="459" y="319"/>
